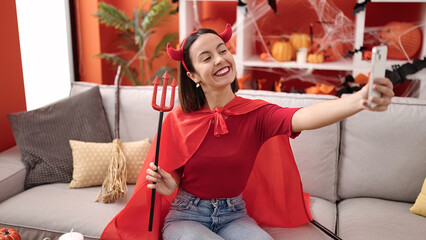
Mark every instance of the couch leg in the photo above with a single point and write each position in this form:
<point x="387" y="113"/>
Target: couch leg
<point x="325" y="230"/>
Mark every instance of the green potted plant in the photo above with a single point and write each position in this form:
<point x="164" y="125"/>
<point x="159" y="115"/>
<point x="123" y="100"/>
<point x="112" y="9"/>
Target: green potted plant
<point x="134" y="34"/>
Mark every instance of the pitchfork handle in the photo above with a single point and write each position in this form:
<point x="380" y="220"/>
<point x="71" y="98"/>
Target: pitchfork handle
<point x="157" y="152"/>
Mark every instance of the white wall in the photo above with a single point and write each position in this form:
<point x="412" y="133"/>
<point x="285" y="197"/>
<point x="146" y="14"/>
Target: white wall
<point x="46" y="52"/>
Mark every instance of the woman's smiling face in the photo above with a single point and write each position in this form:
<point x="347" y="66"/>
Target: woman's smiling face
<point x="214" y="65"/>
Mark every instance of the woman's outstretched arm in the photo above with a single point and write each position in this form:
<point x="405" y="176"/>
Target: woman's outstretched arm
<point x="328" y="112"/>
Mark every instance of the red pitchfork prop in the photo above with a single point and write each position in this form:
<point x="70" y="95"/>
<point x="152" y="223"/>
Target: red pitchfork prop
<point x="162" y="108"/>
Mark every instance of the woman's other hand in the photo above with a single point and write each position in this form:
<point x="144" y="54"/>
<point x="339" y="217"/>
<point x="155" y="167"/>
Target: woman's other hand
<point x="165" y="183"/>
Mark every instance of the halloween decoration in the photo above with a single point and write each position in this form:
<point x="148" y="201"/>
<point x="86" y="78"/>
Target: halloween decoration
<point x="300" y="40"/>
<point x="399" y="73"/>
<point x="264" y="57"/>
<point x="331" y="50"/>
<point x="9" y="234"/>
<point x="403" y="39"/>
<point x="241" y="81"/>
<point x="359" y="7"/>
<point x="315" y="58"/>
<point x="161" y="108"/>
<point x="277" y="85"/>
<point x="361" y="79"/>
<point x="367" y="54"/>
<point x="115" y="183"/>
<point x="217" y="25"/>
<point x="351" y="53"/>
<point x="320" y="89"/>
<point x="348" y="86"/>
<point x="282" y="51"/>
<point x="273" y="4"/>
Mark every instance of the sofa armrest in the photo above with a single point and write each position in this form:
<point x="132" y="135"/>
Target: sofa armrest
<point x="12" y="173"/>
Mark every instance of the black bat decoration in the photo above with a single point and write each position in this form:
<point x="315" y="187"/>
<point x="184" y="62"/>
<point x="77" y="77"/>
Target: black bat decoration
<point x="273" y="4"/>
<point x="351" y="53"/>
<point x="399" y="72"/>
<point x="359" y="7"/>
<point x="241" y="3"/>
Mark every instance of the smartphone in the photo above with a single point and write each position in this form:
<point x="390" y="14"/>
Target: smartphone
<point x="378" y="69"/>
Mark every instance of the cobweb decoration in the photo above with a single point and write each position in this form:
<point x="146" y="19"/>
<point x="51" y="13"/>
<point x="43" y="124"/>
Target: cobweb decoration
<point x="338" y="28"/>
<point x="405" y="42"/>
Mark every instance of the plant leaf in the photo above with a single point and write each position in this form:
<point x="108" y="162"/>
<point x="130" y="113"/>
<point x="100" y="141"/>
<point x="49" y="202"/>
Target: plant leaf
<point x="111" y="16"/>
<point x="155" y="15"/>
<point x="128" y="71"/>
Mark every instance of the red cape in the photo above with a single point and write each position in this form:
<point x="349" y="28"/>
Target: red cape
<point x="274" y="194"/>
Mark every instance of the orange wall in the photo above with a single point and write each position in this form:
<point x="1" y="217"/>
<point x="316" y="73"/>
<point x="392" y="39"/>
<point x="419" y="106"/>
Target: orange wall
<point x="88" y="41"/>
<point x="12" y="95"/>
<point x="94" y="38"/>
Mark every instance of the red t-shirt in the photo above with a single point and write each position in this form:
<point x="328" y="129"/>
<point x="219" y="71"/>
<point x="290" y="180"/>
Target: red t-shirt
<point x="221" y="166"/>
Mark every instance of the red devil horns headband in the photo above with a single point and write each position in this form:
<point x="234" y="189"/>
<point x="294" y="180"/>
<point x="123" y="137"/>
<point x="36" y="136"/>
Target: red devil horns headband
<point x="177" y="54"/>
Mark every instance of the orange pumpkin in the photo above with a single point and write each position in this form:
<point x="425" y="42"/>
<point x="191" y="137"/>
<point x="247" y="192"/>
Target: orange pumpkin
<point x="367" y="55"/>
<point x="315" y="58"/>
<point x="264" y="56"/>
<point x="331" y="50"/>
<point x="9" y="234"/>
<point x="411" y="39"/>
<point x="300" y="40"/>
<point x="282" y="51"/>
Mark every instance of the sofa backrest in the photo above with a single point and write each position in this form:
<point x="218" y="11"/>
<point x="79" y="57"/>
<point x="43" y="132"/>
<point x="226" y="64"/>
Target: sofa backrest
<point x="138" y="120"/>
<point x="383" y="154"/>
<point x="315" y="151"/>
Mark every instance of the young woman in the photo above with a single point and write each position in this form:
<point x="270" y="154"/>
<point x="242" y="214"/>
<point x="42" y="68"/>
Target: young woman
<point x="212" y="153"/>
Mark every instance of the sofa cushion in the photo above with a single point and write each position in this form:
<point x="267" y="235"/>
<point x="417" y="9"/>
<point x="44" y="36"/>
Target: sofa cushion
<point x="12" y="173"/>
<point x="383" y="154"/>
<point x="315" y="151"/>
<point x="138" y="120"/>
<point x="42" y="135"/>
<point x="369" y="218"/>
<point x="61" y="208"/>
<point x="91" y="161"/>
<point x="419" y="206"/>
<point x="323" y="211"/>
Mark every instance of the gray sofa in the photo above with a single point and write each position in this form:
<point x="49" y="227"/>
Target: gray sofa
<point x="363" y="173"/>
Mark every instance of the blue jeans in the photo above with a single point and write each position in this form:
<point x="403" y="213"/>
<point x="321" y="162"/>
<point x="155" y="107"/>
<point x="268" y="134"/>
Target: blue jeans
<point x="193" y="218"/>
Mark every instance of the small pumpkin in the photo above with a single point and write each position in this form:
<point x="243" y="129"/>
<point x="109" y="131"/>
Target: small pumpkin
<point x="282" y="51"/>
<point x="367" y="54"/>
<point x="300" y="40"/>
<point x="331" y="50"/>
<point x="264" y="56"/>
<point x="9" y="234"/>
<point x="411" y="39"/>
<point x="315" y="58"/>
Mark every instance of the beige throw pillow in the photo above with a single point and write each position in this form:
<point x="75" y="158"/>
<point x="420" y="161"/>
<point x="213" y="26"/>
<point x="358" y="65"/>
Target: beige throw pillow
<point x="419" y="206"/>
<point x="91" y="161"/>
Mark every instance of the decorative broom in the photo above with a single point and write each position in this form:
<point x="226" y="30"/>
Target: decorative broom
<point x="115" y="183"/>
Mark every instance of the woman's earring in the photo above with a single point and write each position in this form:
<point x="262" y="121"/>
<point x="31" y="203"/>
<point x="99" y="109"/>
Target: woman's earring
<point x="197" y="85"/>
